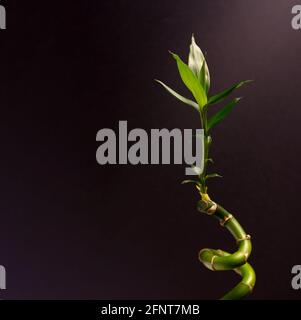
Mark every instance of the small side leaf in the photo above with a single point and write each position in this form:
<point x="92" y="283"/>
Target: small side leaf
<point x="222" y="95"/>
<point x="191" y="81"/>
<point x="212" y="175"/>
<point x="178" y="96"/>
<point x="190" y="181"/>
<point x="221" y="114"/>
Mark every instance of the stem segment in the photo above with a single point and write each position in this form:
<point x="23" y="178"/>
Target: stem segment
<point x="221" y="260"/>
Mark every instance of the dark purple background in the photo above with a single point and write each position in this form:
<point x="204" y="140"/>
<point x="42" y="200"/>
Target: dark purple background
<point x="73" y="229"/>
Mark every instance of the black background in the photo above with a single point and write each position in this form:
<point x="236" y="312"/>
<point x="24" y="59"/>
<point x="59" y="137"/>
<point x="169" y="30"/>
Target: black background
<point x="72" y="229"/>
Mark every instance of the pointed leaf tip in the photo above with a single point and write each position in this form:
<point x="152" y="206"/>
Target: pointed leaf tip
<point x="198" y="65"/>
<point x="178" y="96"/>
<point x="173" y="54"/>
<point x="222" y="95"/>
<point x="213" y="175"/>
<point x="189" y="181"/>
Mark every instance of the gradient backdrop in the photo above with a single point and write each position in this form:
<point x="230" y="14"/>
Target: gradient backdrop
<point x="72" y="229"/>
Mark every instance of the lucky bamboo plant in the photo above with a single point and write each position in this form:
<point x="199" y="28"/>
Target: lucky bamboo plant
<point x="196" y="78"/>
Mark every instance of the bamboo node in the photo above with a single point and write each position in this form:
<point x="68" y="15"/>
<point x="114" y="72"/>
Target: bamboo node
<point x="211" y="210"/>
<point x="226" y="219"/>
<point x="248" y="285"/>
<point x="208" y="207"/>
<point x="212" y="263"/>
<point x="246" y="237"/>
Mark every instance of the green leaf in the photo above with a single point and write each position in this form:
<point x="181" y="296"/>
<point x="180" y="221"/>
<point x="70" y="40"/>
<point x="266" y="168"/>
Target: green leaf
<point x="213" y="175"/>
<point x="222" y="95"/>
<point x="178" y="96"/>
<point x="190" y="181"/>
<point x="197" y="64"/>
<point x="191" y="81"/>
<point x="221" y="114"/>
<point x="202" y="76"/>
<point x="204" y="80"/>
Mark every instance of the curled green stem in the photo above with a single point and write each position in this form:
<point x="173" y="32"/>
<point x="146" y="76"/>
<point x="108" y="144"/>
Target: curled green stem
<point x="221" y="260"/>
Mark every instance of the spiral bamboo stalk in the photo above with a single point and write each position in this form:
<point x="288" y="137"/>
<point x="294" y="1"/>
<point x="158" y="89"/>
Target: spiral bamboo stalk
<point x="217" y="260"/>
<point x="196" y="78"/>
